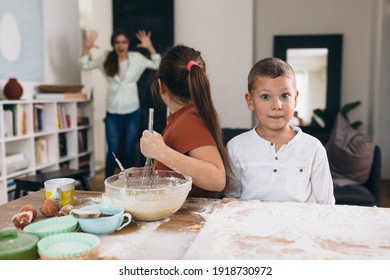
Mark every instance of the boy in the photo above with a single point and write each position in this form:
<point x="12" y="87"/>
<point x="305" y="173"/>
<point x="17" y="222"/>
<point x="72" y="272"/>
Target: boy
<point x="276" y="161"/>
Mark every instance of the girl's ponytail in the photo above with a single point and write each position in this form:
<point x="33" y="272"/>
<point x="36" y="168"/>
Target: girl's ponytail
<point x="182" y="70"/>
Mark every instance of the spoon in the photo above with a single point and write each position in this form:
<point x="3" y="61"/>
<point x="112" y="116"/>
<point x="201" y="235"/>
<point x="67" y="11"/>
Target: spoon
<point x="88" y="214"/>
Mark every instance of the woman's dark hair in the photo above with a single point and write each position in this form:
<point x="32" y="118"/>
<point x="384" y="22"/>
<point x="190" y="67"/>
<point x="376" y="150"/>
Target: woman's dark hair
<point x="190" y="87"/>
<point x="111" y="65"/>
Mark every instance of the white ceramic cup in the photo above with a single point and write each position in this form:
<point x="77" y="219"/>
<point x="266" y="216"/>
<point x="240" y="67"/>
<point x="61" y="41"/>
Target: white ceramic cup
<point x="60" y="190"/>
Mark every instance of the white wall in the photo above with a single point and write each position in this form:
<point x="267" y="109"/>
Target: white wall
<point x="61" y="46"/>
<point x="97" y="15"/>
<point x="62" y="41"/>
<point x="223" y="31"/>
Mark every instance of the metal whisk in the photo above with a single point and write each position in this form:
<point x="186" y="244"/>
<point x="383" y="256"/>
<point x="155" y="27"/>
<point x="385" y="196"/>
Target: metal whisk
<point x="128" y="181"/>
<point x="148" y="168"/>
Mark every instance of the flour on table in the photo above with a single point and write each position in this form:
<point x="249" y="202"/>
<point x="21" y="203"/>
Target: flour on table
<point x="287" y="230"/>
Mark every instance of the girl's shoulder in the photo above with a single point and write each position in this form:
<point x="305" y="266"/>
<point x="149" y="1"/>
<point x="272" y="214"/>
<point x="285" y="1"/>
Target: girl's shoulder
<point x="189" y="115"/>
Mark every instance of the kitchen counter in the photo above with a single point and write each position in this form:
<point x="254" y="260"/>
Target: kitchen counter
<point x="241" y="229"/>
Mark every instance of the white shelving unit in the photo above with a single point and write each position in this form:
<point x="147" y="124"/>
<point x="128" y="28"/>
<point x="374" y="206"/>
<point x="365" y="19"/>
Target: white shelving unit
<point x="47" y="135"/>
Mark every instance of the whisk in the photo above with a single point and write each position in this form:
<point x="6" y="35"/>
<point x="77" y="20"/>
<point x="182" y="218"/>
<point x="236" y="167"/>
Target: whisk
<point x="128" y="181"/>
<point x="148" y="168"/>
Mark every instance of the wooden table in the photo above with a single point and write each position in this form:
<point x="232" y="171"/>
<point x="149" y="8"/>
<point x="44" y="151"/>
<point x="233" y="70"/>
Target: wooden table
<point x="241" y="229"/>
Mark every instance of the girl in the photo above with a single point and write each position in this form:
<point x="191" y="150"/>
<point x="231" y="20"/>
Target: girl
<point x="191" y="143"/>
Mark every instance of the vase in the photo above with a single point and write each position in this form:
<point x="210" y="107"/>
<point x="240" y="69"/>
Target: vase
<point x="12" y="89"/>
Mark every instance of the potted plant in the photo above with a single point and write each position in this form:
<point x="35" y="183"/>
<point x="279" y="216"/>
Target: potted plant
<point x="328" y="121"/>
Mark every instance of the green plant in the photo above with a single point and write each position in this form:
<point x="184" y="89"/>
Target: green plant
<point x="328" y="121"/>
<point x="346" y="109"/>
<point x="324" y="117"/>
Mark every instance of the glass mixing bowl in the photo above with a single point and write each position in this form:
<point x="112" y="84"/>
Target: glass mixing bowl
<point x="151" y="198"/>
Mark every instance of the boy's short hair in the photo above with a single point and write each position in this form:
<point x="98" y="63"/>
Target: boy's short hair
<point x="269" y="67"/>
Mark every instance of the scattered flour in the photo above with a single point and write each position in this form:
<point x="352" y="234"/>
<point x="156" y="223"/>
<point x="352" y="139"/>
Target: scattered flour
<point x="286" y="230"/>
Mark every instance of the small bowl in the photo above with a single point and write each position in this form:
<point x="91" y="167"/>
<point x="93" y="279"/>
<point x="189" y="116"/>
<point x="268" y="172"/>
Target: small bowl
<point x="103" y="225"/>
<point x="161" y="195"/>
<point x="69" y="246"/>
<point x="52" y="226"/>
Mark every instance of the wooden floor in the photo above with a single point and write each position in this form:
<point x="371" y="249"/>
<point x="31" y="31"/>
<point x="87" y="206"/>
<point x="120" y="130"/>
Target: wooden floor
<point x="97" y="184"/>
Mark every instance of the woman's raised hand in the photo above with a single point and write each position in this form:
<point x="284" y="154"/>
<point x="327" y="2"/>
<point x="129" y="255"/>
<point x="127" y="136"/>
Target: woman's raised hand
<point x="145" y="42"/>
<point x="90" y="39"/>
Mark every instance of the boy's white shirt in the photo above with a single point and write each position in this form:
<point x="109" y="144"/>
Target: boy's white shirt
<point x="298" y="172"/>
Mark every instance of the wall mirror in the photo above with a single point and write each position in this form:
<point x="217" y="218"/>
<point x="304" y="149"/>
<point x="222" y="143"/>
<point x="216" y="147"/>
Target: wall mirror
<point x="316" y="60"/>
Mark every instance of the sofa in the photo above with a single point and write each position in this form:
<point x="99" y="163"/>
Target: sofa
<point x="366" y="194"/>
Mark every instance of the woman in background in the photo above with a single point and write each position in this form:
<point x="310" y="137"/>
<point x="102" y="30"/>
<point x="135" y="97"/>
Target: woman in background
<point x="122" y="69"/>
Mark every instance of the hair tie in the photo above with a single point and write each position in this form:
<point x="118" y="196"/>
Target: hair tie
<point x="190" y="64"/>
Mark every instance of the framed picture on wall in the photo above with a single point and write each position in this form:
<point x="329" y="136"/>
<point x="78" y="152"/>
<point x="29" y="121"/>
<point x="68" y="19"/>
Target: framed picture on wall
<point x="21" y="40"/>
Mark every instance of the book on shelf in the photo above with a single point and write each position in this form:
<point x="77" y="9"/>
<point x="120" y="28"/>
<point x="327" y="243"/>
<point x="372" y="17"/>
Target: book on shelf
<point x="41" y="150"/>
<point x="16" y="162"/>
<point x="11" y="119"/>
<point x="82" y="121"/>
<point x="61" y="95"/>
<point x="62" y="144"/>
<point x="82" y="140"/>
<point x="68" y="121"/>
<point x="11" y="185"/>
<point x="63" y="119"/>
<point x="15" y="120"/>
<point x="8" y="122"/>
<point x="37" y="117"/>
<point x="21" y="119"/>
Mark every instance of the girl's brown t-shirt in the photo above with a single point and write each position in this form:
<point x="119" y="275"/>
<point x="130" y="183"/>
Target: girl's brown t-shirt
<point x="184" y="132"/>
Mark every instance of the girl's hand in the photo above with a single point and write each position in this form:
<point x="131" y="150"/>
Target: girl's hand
<point x="152" y="144"/>
<point x="145" y="42"/>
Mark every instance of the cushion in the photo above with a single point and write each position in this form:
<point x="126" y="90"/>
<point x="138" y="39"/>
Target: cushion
<point x="350" y="154"/>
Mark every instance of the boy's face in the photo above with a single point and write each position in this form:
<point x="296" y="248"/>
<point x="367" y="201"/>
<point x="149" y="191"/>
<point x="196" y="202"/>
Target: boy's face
<point x="273" y="100"/>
